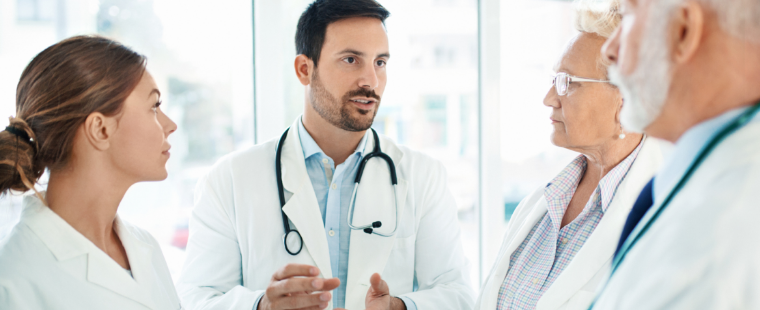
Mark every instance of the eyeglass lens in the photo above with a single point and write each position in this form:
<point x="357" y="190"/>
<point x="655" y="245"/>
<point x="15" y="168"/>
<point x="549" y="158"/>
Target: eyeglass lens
<point x="561" y="81"/>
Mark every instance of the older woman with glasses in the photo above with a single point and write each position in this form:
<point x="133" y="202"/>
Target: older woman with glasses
<point x="562" y="237"/>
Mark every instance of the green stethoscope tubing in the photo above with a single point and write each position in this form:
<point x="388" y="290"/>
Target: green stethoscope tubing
<point x="721" y="136"/>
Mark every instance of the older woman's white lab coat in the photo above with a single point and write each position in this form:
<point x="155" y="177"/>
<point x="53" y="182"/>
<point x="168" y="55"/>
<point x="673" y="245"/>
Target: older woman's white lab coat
<point x="46" y="264"/>
<point x="236" y="232"/>
<point x="575" y="287"/>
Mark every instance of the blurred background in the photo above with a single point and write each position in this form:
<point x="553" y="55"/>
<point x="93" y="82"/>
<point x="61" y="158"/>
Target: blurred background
<point x="465" y="85"/>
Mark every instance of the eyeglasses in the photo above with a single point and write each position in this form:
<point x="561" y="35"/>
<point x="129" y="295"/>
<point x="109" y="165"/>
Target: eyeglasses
<point x="561" y="82"/>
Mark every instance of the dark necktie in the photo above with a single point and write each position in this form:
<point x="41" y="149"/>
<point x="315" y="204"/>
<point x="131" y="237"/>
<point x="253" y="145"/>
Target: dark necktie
<point x="642" y="205"/>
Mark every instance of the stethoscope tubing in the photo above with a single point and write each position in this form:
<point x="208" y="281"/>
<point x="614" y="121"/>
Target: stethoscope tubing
<point x="281" y="193"/>
<point x="371" y="228"/>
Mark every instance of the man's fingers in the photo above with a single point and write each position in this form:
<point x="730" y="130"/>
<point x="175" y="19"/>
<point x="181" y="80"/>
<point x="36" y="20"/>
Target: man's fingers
<point x="330" y="284"/>
<point x="295" y="270"/>
<point x="320" y="307"/>
<point x="297" y="285"/>
<point x="378" y="285"/>
<point x="302" y="301"/>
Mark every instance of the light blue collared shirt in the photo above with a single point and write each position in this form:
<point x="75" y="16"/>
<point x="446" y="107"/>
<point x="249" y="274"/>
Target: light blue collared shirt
<point x="686" y="149"/>
<point x="333" y="187"/>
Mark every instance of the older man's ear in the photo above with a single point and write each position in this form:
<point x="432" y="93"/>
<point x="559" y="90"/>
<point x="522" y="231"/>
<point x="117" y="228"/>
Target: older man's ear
<point x="686" y="31"/>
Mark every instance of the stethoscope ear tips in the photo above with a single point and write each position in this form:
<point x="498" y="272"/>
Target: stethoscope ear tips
<point x="368" y="231"/>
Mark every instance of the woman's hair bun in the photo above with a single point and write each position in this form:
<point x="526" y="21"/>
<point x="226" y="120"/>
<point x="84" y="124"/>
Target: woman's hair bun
<point x="18" y="170"/>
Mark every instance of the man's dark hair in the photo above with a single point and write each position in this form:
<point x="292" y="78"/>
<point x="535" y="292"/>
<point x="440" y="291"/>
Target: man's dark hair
<point x="312" y="26"/>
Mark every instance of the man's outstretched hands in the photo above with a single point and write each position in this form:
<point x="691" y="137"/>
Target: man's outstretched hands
<point x="293" y="287"/>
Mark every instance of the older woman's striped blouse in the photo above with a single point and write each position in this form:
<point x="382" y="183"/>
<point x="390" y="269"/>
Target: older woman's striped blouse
<point x="548" y="249"/>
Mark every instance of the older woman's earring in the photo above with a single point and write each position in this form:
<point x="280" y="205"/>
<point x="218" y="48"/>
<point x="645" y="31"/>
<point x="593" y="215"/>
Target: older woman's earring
<point x="622" y="135"/>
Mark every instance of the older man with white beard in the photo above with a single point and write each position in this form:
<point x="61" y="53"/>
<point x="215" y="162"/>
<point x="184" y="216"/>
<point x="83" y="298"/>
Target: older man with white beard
<point x="689" y="71"/>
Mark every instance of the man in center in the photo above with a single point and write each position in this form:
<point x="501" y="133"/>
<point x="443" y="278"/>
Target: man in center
<point x="410" y="256"/>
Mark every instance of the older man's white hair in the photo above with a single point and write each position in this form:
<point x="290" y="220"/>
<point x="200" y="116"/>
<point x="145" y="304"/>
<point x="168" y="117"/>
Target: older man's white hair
<point x="740" y="18"/>
<point x="600" y="17"/>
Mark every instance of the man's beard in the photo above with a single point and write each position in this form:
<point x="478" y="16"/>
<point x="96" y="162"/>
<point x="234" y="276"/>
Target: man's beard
<point x="646" y="89"/>
<point x="339" y="113"/>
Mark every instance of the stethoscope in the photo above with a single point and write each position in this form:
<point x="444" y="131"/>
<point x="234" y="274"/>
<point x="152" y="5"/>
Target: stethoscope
<point x="293" y="237"/>
<point x="639" y="231"/>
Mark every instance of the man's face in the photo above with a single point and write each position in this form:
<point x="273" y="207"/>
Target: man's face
<point x="641" y="66"/>
<point x="349" y="80"/>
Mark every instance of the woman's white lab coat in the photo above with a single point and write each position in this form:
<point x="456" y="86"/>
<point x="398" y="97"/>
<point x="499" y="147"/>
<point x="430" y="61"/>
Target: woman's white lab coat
<point x="46" y="264"/>
<point x="236" y="232"/>
<point x="574" y="288"/>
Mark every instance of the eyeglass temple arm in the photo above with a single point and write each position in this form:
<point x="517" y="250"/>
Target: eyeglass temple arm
<point x="577" y="79"/>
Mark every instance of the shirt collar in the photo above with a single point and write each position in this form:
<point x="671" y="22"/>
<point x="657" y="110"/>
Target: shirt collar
<point x="563" y="186"/>
<point x="609" y="183"/>
<point x="64" y="241"/>
<point x="560" y="190"/>
<point x="311" y="148"/>
<point x="686" y="149"/>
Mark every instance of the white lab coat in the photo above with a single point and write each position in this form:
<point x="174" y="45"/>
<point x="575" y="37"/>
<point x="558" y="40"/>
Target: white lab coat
<point x="574" y="288"/>
<point x="236" y="230"/>
<point x="704" y="250"/>
<point x="46" y="264"/>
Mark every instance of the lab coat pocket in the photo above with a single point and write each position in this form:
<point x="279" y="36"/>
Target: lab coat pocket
<point x="399" y="271"/>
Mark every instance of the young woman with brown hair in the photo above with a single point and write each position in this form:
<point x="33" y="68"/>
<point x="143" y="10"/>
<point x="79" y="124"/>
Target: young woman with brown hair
<point x="88" y="112"/>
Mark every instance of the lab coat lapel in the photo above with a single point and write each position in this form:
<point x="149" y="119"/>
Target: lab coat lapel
<point x="66" y="243"/>
<point x="141" y="262"/>
<point x="368" y="254"/>
<point x="302" y="207"/>
<point x="503" y="261"/>
<point x="597" y="251"/>
<point x="104" y="271"/>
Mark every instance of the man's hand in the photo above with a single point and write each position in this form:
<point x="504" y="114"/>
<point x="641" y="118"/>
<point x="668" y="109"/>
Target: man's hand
<point x="379" y="298"/>
<point x="292" y="287"/>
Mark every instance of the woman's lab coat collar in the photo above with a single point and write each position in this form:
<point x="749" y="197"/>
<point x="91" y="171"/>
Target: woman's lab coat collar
<point x="66" y="243"/>
<point x="574" y="287"/>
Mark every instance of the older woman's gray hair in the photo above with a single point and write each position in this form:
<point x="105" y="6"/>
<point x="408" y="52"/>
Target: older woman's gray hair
<point x="600" y="17"/>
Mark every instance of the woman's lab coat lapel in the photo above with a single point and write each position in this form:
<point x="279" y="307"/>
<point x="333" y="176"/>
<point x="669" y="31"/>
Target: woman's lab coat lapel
<point x="524" y="222"/>
<point x="302" y="207"/>
<point x="66" y="243"/>
<point x="596" y="253"/>
<point x="368" y="254"/>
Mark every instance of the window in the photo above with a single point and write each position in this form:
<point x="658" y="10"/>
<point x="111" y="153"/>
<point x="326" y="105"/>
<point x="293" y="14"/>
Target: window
<point x="529" y="160"/>
<point x="35" y="10"/>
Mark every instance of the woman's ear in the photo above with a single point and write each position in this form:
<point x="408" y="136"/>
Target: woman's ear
<point x="98" y="130"/>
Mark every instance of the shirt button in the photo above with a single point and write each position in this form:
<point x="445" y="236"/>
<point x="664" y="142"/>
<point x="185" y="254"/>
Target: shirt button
<point x="332" y="233"/>
<point x="564" y="240"/>
<point x="335" y="186"/>
<point x="535" y="281"/>
<point x="324" y="160"/>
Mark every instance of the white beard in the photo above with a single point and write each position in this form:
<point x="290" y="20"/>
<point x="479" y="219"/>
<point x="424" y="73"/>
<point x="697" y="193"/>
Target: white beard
<point x="646" y="89"/>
